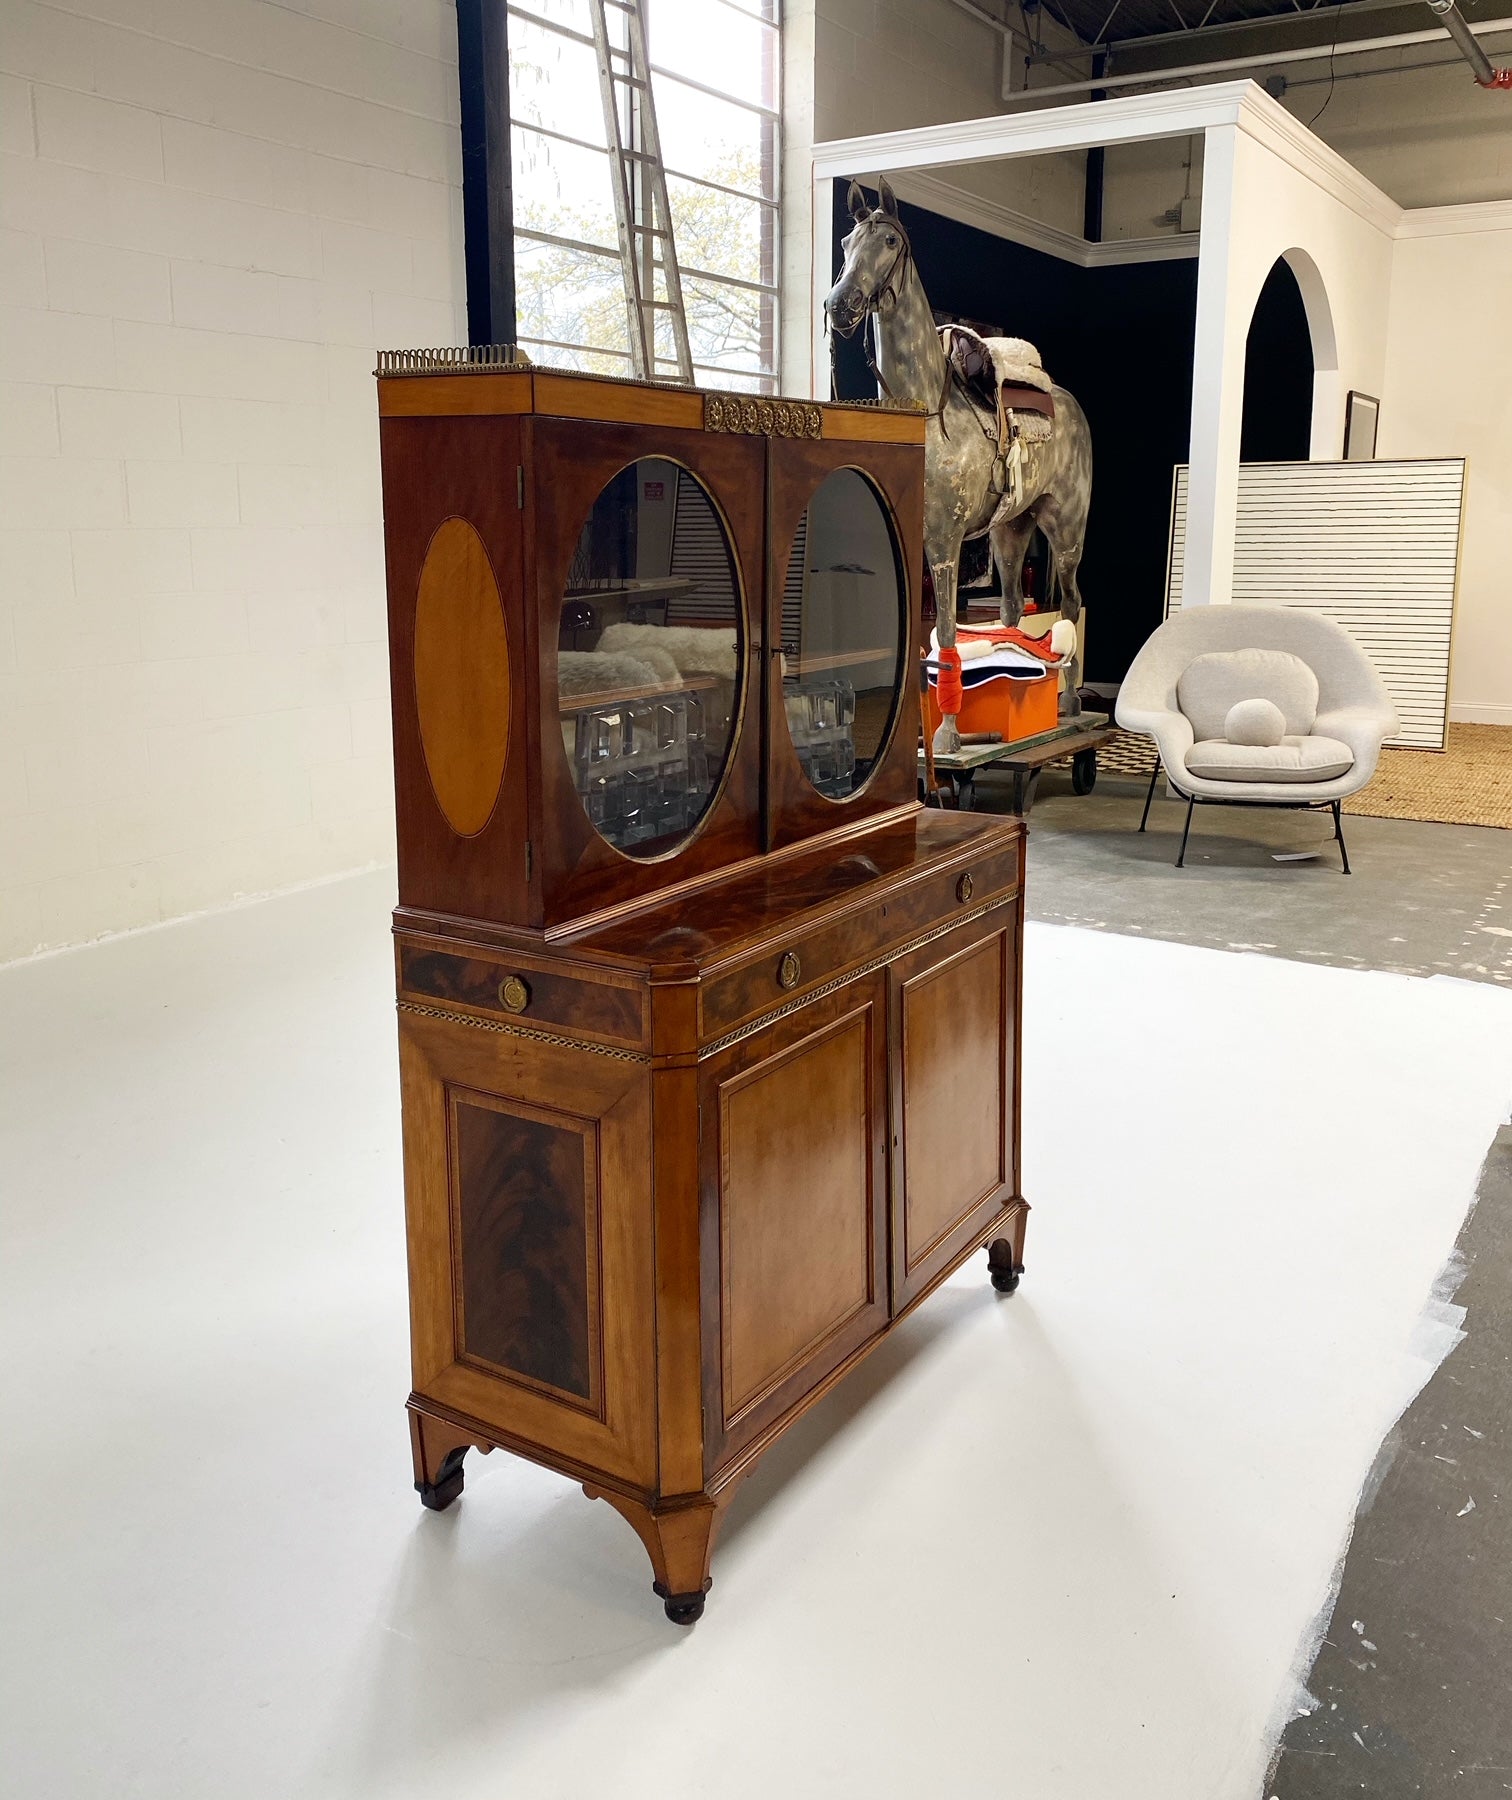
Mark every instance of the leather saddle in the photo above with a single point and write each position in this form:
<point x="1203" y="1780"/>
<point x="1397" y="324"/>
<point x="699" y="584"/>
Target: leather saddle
<point x="1005" y="378"/>
<point x="1006" y="381"/>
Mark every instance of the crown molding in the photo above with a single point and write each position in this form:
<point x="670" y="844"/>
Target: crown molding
<point x="1453" y="221"/>
<point x="1179" y="246"/>
<point x="1270" y="124"/>
<point x="1130" y="118"/>
<point x="991" y="216"/>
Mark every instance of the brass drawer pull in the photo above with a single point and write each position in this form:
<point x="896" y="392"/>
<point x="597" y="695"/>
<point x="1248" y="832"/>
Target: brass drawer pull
<point x="963" y="888"/>
<point x="514" y="994"/>
<point x="789" y="971"/>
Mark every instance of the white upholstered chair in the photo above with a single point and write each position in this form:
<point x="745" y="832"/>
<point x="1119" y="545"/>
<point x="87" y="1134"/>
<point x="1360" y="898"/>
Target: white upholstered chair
<point x="1257" y="706"/>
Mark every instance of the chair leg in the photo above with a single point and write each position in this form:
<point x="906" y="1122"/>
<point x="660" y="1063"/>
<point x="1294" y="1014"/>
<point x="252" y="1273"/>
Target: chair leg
<point x="1150" y="795"/>
<point x="1338" y="813"/>
<point x="1181" y="860"/>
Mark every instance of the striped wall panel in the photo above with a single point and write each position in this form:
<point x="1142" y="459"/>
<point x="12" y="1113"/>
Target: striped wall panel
<point x="1374" y="545"/>
<point x="795" y="589"/>
<point x="699" y="550"/>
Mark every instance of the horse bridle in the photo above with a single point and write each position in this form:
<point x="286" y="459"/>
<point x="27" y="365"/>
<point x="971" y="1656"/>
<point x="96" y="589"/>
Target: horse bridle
<point x="888" y="288"/>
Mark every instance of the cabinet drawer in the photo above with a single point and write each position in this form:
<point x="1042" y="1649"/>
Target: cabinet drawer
<point x="609" y="1008"/>
<point x="800" y="964"/>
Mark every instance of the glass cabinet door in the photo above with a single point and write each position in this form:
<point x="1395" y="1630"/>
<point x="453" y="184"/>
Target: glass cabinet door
<point x="650" y="657"/>
<point x="844" y="623"/>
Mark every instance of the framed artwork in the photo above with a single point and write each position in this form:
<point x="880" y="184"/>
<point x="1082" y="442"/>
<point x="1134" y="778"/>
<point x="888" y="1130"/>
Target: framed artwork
<point x="1362" y="413"/>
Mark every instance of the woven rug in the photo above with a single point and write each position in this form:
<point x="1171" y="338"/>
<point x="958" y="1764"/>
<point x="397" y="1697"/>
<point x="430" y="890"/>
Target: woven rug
<point x="1469" y="783"/>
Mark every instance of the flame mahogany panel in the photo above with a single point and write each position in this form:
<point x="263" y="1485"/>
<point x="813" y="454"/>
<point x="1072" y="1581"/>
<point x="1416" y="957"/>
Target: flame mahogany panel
<point x="527" y="1243"/>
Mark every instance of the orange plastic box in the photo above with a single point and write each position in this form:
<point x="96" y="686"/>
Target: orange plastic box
<point x="1013" y="709"/>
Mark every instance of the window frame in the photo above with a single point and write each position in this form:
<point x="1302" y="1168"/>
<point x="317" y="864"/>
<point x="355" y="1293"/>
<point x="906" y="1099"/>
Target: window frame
<point x="491" y="232"/>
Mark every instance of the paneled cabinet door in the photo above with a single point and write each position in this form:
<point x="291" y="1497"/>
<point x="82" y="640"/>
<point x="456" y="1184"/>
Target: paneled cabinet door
<point x="528" y="1205"/>
<point x="954" y="1156"/>
<point x="793" y="1195"/>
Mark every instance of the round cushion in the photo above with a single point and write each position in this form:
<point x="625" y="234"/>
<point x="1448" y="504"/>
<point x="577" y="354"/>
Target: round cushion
<point x="1212" y="683"/>
<point x="1254" y="722"/>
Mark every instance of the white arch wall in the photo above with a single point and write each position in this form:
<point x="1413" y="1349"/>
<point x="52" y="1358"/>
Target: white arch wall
<point x="1265" y="197"/>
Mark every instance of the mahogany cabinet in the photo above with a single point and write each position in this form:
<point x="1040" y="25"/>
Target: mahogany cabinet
<point x="708" y="1030"/>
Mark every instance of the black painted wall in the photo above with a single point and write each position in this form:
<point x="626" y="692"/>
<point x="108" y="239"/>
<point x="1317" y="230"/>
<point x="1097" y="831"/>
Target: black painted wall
<point x="1278" y="374"/>
<point x="1121" y="339"/>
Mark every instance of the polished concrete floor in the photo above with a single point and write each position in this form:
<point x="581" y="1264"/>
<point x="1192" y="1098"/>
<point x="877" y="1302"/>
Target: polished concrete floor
<point x="1422" y="899"/>
<point x="1413" y="1677"/>
<point x="1413" y="1680"/>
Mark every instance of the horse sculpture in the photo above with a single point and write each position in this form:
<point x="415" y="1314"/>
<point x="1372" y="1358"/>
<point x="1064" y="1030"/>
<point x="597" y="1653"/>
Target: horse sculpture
<point x="969" y="488"/>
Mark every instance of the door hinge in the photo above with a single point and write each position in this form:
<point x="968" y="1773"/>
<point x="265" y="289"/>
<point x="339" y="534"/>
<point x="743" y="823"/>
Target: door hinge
<point x="529" y="859"/>
<point x="520" y="486"/>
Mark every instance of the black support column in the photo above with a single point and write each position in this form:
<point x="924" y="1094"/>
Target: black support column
<point x="487" y="196"/>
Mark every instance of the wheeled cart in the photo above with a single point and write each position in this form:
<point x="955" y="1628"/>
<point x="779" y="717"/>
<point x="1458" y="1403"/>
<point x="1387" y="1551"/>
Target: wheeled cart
<point x="1078" y="738"/>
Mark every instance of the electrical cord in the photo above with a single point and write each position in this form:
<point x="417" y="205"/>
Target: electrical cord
<point x="1332" y="52"/>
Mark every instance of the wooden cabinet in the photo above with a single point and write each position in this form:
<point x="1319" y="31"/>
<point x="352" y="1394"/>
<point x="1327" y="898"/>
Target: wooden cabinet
<point x="689" y="1119"/>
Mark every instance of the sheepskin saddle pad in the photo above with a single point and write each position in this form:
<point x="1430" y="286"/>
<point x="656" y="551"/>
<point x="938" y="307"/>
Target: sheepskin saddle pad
<point x="1005" y="377"/>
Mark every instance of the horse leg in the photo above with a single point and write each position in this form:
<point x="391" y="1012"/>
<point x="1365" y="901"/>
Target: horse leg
<point x="947" y="739"/>
<point x="1061" y="514"/>
<point x="1066" y="553"/>
<point x="1010" y="542"/>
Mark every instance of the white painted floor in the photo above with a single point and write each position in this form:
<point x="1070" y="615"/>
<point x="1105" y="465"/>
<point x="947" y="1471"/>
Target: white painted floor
<point x="1066" y="1546"/>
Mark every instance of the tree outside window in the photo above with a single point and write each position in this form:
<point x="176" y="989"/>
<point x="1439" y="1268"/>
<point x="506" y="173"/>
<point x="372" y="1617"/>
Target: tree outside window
<point x="715" y="81"/>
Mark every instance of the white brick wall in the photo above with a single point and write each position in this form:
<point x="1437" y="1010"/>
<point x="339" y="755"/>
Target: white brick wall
<point x="211" y="213"/>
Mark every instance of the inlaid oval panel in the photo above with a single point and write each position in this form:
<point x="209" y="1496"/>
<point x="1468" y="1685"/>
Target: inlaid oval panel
<point x="462" y="676"/>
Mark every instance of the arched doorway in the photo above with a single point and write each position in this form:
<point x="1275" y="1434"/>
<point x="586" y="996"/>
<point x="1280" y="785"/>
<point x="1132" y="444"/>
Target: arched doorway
<point x="1278" y="373"/>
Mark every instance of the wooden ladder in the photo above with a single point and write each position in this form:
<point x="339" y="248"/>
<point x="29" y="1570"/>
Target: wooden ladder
<point x="641" y="209"/>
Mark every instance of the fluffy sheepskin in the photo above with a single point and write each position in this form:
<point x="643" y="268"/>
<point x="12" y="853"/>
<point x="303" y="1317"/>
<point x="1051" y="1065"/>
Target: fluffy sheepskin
<point x="694" y="649"/>
<point x="598" y="671"/>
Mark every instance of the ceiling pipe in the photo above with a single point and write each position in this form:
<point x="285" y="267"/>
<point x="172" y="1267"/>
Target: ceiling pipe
<point x="1316" y="16"/>
<point x="1353" y="47"/>
<point x="1284" y="87"/>
<point x="1458" y="27"/>
<point x="1009" y="34"/>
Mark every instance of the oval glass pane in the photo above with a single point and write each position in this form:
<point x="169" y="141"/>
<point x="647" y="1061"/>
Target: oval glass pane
<point x="649" y="657"/>
<point x="844" y="618"/>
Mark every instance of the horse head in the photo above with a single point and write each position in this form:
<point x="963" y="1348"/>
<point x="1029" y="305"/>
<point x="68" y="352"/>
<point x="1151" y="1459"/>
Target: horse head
<point x="876" y="252"/>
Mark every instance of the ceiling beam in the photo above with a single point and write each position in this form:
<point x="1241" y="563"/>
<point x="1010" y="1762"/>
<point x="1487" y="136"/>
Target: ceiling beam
<point x="1314" y="15"/>
<point x="1261" y="59"/>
